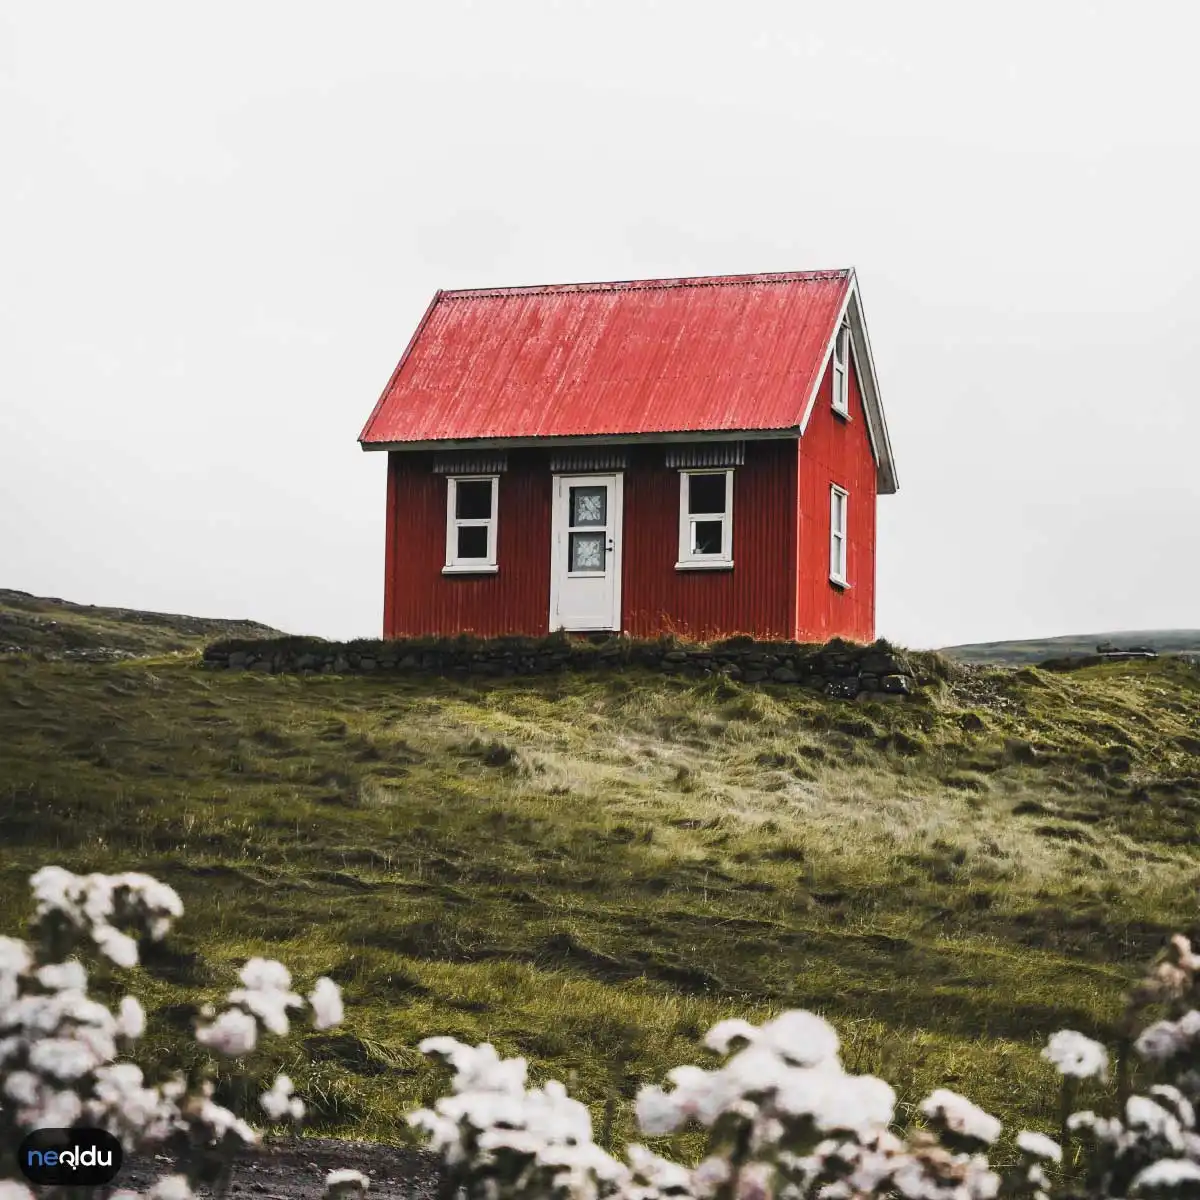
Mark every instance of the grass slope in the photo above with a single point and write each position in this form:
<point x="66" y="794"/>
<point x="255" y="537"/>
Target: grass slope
<point x="591" y="870"/>
<point x="1036" y="650"/>
<point x="60" y="628"/>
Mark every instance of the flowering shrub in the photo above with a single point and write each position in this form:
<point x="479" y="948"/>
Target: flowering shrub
<point x="784" y="1119"/>
<point x="58" y="1047"/>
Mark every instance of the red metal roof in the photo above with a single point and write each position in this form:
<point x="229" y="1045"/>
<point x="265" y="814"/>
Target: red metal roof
<point x="731" y="352"/>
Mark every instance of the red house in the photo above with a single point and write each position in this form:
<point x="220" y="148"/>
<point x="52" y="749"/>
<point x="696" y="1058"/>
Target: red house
<point x="691" y="455"/>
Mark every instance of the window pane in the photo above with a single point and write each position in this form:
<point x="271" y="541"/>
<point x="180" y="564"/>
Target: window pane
<point x="706" y="537"/>
<point x="473" y="499"/>
<point x="472" y="541"/>
<point x="706" y="493"/>
<point x="589" y="505"/>
<point x="587" y="552"/>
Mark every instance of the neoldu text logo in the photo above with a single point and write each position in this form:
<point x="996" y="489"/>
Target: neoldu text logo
<point x="70" y="1157"/>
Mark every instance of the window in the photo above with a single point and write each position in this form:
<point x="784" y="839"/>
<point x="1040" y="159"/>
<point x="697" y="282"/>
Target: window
<point x="838" y="501"/>
<point x="587" y="530"/>
<point x="705" y="519"/>
<point x="841" y="357"/>
<point x="471" y="523"/>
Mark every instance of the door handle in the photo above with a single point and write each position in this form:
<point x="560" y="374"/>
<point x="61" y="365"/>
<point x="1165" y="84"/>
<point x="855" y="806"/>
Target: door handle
<point x="611" y="545"/>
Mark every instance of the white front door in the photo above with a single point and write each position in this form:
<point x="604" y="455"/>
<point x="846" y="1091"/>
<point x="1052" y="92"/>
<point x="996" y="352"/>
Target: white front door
<point x="585" y="553"/>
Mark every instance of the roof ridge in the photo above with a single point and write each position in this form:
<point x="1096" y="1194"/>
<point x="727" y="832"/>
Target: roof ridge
<point x="685" y="281"/>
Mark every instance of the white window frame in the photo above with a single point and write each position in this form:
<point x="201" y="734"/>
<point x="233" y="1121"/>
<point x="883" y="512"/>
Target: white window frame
<point x="838" y="540"/>
<point x="689" y="560"/>
<point x="470" y="566"/>
<point x="841" y="370"/>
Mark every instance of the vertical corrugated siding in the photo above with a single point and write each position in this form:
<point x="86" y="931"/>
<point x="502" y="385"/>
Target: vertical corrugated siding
<point x="836" y="451"/>
<point x="756" y="596"/>
<point x="389" y="554"/>
<point x="515" y="600"/>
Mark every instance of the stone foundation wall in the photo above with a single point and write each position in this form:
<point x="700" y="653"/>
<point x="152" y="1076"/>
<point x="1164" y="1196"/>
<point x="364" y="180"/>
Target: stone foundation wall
<point x="841" y="669"/>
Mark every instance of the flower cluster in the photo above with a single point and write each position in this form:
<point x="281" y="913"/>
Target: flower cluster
<point x="499" y="1139"/>
<point x="59" y="1048"/>
<point x="785" y="1121"/>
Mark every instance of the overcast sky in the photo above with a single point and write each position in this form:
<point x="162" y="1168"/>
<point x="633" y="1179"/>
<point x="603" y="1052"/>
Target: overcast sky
<point x="222" y="221"/>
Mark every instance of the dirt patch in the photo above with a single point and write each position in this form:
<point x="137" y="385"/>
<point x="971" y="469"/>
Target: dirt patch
<point x="295" y="1169"/>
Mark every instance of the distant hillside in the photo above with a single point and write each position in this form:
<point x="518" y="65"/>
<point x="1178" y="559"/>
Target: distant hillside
<point x="1034" y="650"/>
<point x="60" y="629"/>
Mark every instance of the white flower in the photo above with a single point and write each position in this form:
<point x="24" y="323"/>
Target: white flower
<point x="64" y="1058"/>
<point x="22" y="1086"/>
<point x="123" y="1101"/>
<point x="800" y="1037"/>
<point x="723" y="1033"/>
<point x="221" y="1121"/>
<point x="117" y="946"/>
<point x="1176" y="1102"/>
<point x="1166" y="1173"/>
<point x="1038" y="1145"/>
<point x="710" y="1174"/>
<point x="658" y="1113"/>
<point x="1160" y="1041"/>
<point x="15" y="958"/>
<point x="856" y="1104"/>
<point x="478" y="1068"/>
<point x="1143" y="1113"/>
<point x="279" y="1101"/>
<point x="345" y="1183"/>
<point x="326" y="1001"/>
<point x="64" y="976"/>
<point x="59" y="1110"/>
<point x="658" y="1172"/>
<point x="171" y="1187"/>
<point x="131" y="1018"/>
<point x="158" y="902"/>
<point x="266" y="975"/>
<point x="52" y="891"/>
<point x="957" y="1114"/>
<point x="269" y="1005"/>
<point x="233" y="1033"/>
<point x="1076" y="1055"/>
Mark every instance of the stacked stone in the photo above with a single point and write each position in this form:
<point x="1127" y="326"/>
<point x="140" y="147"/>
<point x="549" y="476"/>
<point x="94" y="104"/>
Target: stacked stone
<point x="838" y="669"/>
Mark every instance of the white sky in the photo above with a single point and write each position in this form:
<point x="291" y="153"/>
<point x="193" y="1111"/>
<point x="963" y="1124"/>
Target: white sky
<point x="221" y="223"/>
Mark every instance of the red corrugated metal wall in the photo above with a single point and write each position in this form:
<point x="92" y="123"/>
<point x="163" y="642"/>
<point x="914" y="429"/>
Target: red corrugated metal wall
<point x="757" y="596"/>
<point x="836" y="451"/>
<point x="419" y="599"/>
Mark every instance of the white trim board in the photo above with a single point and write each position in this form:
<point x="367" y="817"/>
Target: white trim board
<point x="868" y="384"/>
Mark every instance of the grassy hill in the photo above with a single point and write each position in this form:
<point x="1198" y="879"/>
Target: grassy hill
<point x="56" y="628"/>
<point x="1036" y="650"/>
<point x="591" y="870"/>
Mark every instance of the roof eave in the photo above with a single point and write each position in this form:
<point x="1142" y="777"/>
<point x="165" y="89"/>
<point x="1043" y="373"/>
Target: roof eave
<point x="599" y="439"/>
<point x="886" y="482"/>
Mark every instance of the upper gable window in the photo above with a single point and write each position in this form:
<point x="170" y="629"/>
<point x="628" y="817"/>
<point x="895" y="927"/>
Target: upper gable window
<point x="471" y="524"/>
<point x="705" y="519"/>
<point x="841" y="371"/>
